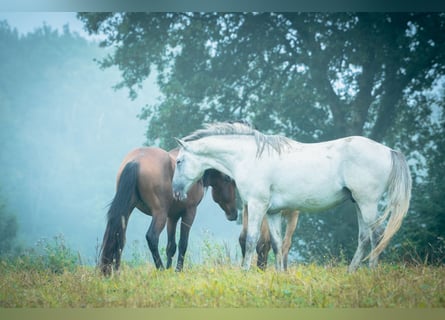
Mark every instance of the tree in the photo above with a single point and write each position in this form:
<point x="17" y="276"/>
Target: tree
<point x="8" y="231"/>
<point x="309" y="76"/>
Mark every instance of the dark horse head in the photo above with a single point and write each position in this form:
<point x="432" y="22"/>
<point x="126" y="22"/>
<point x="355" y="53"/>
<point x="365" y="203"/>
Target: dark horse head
<point x="223" y="191"/>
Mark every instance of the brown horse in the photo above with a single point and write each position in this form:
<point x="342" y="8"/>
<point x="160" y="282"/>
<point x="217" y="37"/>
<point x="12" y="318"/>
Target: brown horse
<point x="144" y="182"/>
<point x="264" y="243"/>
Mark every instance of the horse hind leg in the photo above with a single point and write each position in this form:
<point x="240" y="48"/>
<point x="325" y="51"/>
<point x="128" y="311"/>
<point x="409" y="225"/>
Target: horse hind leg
<point x="363" y="241"/>
<point x="376" y="235"/>
<point x="158" y="222"/>
<point x="292" y="220"/>
<point x="171" y="243"/>
<point x="367" y="216"/>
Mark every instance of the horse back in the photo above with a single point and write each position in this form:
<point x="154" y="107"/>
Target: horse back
<point x="318" y="176"/>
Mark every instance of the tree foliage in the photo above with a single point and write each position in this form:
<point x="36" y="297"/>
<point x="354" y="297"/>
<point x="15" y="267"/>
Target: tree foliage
<point x="8" y="230"/>
<point x="309" y="76"/>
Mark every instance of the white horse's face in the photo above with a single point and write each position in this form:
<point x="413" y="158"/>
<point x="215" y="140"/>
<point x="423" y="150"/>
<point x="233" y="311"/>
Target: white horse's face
<point x="188" y="170"/>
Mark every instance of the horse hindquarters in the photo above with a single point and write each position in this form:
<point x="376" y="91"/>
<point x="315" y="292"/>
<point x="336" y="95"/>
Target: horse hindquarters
<point x="371" y="227"/>
<point x="121" y="207"/>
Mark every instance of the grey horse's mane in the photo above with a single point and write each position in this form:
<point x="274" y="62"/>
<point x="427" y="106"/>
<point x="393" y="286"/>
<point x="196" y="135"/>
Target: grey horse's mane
<point x="264" y="142"/>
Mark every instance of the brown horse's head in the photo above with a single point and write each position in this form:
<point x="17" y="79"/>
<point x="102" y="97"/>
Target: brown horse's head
<point x="223" y="191"/>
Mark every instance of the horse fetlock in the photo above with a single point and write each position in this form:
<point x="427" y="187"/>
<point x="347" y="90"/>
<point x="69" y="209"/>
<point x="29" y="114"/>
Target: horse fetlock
<point x="246" y="262"/>
<point x="279" y="266"/>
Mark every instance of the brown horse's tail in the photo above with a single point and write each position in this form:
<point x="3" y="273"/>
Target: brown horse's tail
<point x="121" y="207"/>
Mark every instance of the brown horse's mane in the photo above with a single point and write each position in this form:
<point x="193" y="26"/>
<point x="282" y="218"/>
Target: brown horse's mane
<point x="264" y="142"/>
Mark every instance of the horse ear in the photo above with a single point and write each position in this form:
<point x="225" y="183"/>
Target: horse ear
<point x="181" y="143"/>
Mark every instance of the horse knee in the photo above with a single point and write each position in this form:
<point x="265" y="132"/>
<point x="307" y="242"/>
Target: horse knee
<point x="171" y="249"/>
<point x="251" y="242"/>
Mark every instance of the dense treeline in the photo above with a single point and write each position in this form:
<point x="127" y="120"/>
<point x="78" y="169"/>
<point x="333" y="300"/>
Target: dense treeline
<point x="310" y="76"/>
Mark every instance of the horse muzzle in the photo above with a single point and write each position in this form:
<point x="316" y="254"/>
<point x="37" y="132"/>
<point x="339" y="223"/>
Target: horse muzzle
<point x="233" y="215"/>
<point x="179" y="192"/>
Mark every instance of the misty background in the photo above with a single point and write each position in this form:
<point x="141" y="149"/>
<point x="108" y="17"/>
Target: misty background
<point x="64" y="131"/>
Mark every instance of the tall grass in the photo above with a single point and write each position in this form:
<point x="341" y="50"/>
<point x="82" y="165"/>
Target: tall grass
<point x="225" y="286"/>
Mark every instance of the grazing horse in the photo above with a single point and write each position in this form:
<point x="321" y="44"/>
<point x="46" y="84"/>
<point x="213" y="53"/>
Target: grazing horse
<point x="144" y="182"/>
<point x="293" y="175"/>
<point x="264" y="243"/>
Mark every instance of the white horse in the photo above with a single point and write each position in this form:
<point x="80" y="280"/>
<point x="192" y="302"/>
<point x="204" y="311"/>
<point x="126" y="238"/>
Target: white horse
<point x="273" y="173"/>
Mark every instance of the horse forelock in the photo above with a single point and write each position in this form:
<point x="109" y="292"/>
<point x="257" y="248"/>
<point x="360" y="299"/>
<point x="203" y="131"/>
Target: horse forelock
<point x="264" y="142"/>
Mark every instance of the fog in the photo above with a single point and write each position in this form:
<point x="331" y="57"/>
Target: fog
<point x="64" y="132"/>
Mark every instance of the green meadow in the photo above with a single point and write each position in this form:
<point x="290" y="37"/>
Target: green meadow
<point x="390" y="286"/>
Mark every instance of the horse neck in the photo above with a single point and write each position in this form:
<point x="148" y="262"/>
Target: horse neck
<point x="209" y="177"/>
<point x="224" y="152"/>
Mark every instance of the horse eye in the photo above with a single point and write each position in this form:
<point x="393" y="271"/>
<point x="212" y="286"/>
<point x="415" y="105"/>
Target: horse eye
<point x="178" y="161"/>
<point x="227" y="178"/>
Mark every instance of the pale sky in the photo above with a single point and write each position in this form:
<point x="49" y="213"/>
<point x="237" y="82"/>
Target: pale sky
<point x="26" y="22"/>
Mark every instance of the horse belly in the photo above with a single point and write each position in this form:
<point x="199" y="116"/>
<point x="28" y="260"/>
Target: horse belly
<point x="309" y="200"/>
<point x="312" y="185"/>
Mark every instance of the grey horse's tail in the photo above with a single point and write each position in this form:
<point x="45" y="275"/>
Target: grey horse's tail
<point x="398" y="197"/>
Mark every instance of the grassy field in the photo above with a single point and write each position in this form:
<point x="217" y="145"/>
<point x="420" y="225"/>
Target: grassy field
<point x="224" y="286"/>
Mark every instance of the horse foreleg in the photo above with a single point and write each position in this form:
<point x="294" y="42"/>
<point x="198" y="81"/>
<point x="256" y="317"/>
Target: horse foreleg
<point x="171" y="242"/>
<point x="186" y="224"/>
<point x="243" y="234"/>
<point x="257" y="210"/>
<point x="263" y="245"/>
<point x="274" y="221"/>
<point x="157" y="225"/>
